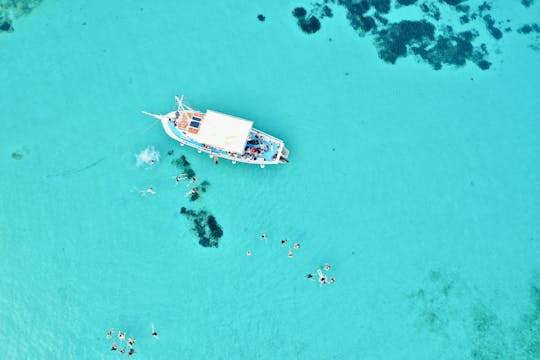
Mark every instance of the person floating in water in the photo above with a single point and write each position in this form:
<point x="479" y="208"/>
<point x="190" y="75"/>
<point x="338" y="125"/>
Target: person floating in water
<point x="248" y="253"/>
<point x="283" y="242"/>
<point x="121" y="336"/>
<point x="114" y="347"/>
<point x="322" y="277"/>
<point x="150" y="191"/>
<point x="154" y="332"/>
<point x="191" y="192"/>
<point x="193" y="181"/>
<point x="131" y="341"/>
<point x="131" y="352"/>
<point x="290" y="254"/>
<point x="180" y="177"/>
<point x="326" y="267"/>
<point x="332" y="280"/>
<point x="264" y="236"/>
<point x="309" y="276"/>
<point x="109" y="333"/>
<point x="296" y="246"/>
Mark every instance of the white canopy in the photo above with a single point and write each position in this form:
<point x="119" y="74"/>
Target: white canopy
<point x="223" y="131"/>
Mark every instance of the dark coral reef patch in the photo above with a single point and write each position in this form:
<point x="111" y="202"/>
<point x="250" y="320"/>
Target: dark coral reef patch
<point x="430" y="38"/>
<point x="205" y="225"/>
<point x="13" y="9"/>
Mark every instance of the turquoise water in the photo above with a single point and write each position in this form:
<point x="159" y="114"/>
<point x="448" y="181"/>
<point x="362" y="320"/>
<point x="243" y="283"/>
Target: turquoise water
<point x="419" y="186"/>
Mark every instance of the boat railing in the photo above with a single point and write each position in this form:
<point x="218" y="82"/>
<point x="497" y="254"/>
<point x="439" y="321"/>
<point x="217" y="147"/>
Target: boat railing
<point x="236" y="157"/>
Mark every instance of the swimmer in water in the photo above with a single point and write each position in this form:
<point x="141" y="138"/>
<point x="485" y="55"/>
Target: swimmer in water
<point x="123" y="351"/>
<point x="326" y="267"/>
<point x="322" y="277"/>
<point x="248" y="253"/>
<point x="131" y="341"/>
<point x="154" y="332"/>
<point x="264" y="236"/>
<point x="190" y="192"/>
<point x="290" y="254"/>
<point x="109" y="334"/>
<point x="121" y="336"/>
<point x="180" y="178"/>
<point x="309" y="276"/>
<point x="114" y="347"/>
<point x="150" y="191"/>
<point x="283" y="242"/>
<point x="193" y="181"/>
<point x="131" y="352"/>
<point x="296" y="246"/>
<point x="332" y="280"/>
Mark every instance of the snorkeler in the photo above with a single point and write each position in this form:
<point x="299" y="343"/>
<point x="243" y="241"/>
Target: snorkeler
<point x="123" y="351"/>
<point x="180" y="177"/>
<point x="131" y="341"/>
<point x="322" y="277"/>
<point x="326" y="267"/>
<point x="296" y="246"/>
<point x="332" y="280"/>
<point x="131" y="352"/>
<point x="309" y="276"/>
<point x="192" y="191"/>
<point x="290" y="254"/>
<point x="193" y="181"/>
<point x="154" y="332"/>
<point x="283" y="242"/>
<point x="121" y="336"/>
<point x="248" y="253"/>
<point x="109" y="333"/>
<point x="150" y="190"/>
<point x="114" y="347"/>
<point x="264" y="236"/>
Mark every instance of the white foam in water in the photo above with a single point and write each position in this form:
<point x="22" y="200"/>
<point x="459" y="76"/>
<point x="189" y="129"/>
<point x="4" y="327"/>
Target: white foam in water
<point x="148" y="156"/>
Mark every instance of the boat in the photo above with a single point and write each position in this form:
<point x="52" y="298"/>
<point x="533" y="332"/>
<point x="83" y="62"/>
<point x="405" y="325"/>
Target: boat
<point x="222" y="136"/>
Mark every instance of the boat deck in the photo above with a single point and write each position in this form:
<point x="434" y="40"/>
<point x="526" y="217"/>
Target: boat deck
<point x="260" y="148"/>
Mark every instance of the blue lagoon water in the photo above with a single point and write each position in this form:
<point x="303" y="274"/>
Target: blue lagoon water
<point x="414" y="172"/>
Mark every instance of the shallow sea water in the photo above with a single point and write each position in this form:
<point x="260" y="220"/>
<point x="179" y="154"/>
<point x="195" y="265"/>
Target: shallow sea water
<point x="420" y="187"/>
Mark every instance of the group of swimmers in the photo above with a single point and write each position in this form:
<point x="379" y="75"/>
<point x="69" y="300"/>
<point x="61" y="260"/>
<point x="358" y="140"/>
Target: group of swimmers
<point x="130" y="342"/>
<point x="290" y="254"/>
<point x="193" y="180"/>
<point x="323" y="279"/>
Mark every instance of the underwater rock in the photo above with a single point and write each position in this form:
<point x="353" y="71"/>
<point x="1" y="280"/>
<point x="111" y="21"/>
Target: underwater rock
<point x="181" y="162"/>
<point x="406" y="2"/>
<point x="204" y="185"/>
<point x="527" y="3"/>
<point x="490" y="25"/>
<point x="184" y="165"/>
<point x="309" y="24"/>
<point x="453" y="2"/>
<point x="5" y="25"/>
<point x="261" y="17"/>
<point x="13" y="9"/>
<point x="17" y="155"/>
<point x="393" y="41"/>
<point x="526" y="29"/>
<point x="205" y="225"/>
<point x="299" y="12"/>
